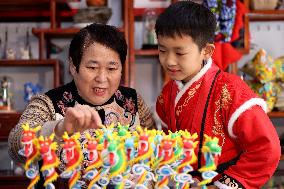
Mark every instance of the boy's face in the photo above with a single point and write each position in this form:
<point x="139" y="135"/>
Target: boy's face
<point x="180" y="57"/>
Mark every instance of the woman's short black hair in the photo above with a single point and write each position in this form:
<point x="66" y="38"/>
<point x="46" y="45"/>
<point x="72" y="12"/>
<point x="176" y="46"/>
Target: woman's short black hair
<point x="187" y="18"/>
<point x="106" y="35"/>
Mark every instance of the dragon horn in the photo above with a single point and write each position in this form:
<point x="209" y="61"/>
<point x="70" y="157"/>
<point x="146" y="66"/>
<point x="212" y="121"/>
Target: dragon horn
<point x="88" y="136"/>
<point x="51" y="137"/>
<point x="41" y="138"/>
<point x="36" y="129"/>
<point x="65" y="135"/>
<point x="206" y="137"/>
<point x="53" y="145"/>
<point x="139" y="129"/>
<point x="26" y="126"/>
<point x="216" y="139"/>
<point x="195" y="144"/>
<point x="195" y="135"/>
<point x="111" y="126"/>
<point x="76" y="135"/>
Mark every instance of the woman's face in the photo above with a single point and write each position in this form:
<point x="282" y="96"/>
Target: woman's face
<point x="99" y="74"/>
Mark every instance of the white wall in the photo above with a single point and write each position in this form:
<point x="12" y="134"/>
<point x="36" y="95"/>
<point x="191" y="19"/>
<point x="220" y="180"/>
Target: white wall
<point x="267" y="35"/>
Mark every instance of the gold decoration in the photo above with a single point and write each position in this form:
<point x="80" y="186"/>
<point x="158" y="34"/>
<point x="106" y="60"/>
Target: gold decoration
<point x="191" y="94"/>
<point x="222" y="103"/>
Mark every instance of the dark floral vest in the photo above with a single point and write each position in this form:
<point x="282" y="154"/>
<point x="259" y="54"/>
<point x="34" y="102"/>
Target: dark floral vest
<point x="121" y="107"/>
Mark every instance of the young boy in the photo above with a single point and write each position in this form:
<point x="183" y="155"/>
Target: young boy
<point x="202" y="98"/>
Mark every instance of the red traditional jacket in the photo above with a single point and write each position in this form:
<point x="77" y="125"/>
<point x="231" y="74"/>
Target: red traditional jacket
<point x="220" y="104"/>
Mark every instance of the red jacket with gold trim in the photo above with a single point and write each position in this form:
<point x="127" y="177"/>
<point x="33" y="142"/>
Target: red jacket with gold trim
<point x="234" y="114"/>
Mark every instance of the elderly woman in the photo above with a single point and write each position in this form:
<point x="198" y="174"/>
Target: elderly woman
<point x="94" y="97"/>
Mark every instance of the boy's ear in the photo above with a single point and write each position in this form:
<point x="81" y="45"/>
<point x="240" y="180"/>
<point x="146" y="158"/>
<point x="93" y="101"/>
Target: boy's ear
<point x="208" y="50"/>
<point x="72" y="68"/>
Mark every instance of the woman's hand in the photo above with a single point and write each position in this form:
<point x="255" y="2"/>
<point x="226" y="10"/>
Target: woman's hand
<point x="78" y="119"/>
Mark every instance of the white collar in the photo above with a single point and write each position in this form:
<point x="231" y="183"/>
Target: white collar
<point x="183" y="87"/>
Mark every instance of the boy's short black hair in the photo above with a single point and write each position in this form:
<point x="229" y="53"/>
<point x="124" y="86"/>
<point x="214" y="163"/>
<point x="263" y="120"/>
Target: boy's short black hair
<point x="106" y="35"/>
<point x="187" y="18"/>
